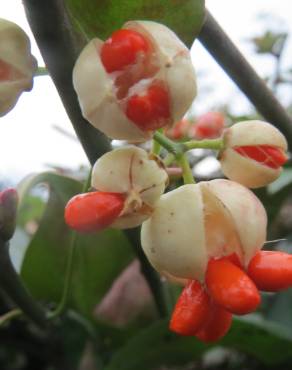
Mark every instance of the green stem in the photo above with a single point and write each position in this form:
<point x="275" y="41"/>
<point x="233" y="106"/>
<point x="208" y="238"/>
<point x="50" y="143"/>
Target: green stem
<point x="41" y="71"/>
<point x="156" y="147"/>
<point x="185" y="166"/>
<point x="12" y="285"/>
<point x="10" y="315"/>
<point x="68" y="277"/>
<point x="168" y="160"/>
<point x="169" y="145"/>
<point x="69" y="269"/>
<point x="214" y="144"/>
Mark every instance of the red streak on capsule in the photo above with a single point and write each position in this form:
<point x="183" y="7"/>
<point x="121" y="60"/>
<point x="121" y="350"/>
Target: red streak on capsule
<point x="5" y="71"/>
<point x="264" y="154"/>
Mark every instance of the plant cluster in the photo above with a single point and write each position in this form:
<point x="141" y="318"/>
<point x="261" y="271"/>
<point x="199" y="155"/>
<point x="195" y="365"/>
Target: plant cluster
<point x="205" y="237"/>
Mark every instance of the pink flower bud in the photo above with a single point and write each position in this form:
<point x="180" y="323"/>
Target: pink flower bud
<point x="17" y="65"/>
<point x="254" y="153"/>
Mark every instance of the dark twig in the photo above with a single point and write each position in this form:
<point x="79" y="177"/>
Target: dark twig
<point x="15" y="290"/>
<point x="219" y="45"/>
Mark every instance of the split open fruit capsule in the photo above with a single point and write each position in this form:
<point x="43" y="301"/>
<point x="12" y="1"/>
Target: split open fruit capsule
<point x="253" y="154"/>
<point x="209" y="232"/>
<point x="127" y="184"/>
<point x="138" y="80"/>
<point x="17" y="65"/>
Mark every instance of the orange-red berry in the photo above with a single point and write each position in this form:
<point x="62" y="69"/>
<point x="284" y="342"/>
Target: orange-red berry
<point x="150" y="110"/>
<point x="191" y="310"/>
<point x="230" y="287"/>
<point x="122" y="49"/>
<point x="93" y="211"/>
<point x="217" y="325"/>
<point x="271" y="271"/>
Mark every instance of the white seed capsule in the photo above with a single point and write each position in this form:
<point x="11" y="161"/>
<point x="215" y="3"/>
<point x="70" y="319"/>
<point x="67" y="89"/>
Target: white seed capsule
<point x="238" y="166"/>
<point x="104" y="97"/>
<point x="130" y="171"/>
<point x="17" y="65"/>
<point x="196" y="222"/>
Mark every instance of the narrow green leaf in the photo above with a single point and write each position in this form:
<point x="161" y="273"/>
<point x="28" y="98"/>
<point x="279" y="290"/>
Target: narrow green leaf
<point x="100" y="18"/>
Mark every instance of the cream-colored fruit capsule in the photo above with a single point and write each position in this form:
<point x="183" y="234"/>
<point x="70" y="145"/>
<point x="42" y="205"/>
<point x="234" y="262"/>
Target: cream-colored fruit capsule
<point x="17" y="65"/>
<point x="238" y="166"/>
<point x="132" y="172"/>
<point x="196" y="222"/>
<point x="170" y="63"/>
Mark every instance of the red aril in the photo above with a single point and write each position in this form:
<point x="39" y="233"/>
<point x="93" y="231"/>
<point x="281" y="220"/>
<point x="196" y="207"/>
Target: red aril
<point x="191" y="310"/>
<point x="93" y="211"/>
<point x="217" y="325"/>
<point x="271" y="271"/>
<point x="208" y="125"/>
<point x="230" y="287"/>
<point x="122" y="49"/>
<point x="264" y="154"/>
<point x="179" y="130"/>
<point x="150" y="110"/>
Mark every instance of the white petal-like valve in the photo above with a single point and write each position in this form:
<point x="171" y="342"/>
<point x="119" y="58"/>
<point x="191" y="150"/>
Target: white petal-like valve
<point x="130" y="171"/>
<point x="196" y="222"/>
<point x="17" y="65"/>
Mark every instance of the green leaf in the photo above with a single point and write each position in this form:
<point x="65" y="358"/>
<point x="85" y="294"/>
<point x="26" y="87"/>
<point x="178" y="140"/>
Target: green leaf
<point x="99" y="258"/>
<point x="157" y="346"/>
<point x="100" y="18"/>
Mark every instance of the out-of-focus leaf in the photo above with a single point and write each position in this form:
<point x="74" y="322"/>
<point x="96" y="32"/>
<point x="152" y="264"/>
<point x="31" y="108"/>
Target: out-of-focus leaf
<point x="100" y="18"/>
<point x="99" y="257"/>
<point x="282" y="181"/>
<point x="270" y="42"/>
<point x="280" y="309"/>
<point x="156" y="346"/>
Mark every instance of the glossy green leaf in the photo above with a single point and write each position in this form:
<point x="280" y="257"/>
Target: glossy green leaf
<point x="100" y="18"/>
<point x="99" y="257"/>
<point x="157" y="346"/>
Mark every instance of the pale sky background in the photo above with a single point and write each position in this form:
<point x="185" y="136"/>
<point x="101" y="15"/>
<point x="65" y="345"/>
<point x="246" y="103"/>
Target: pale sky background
<point x="28" y="140"/>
